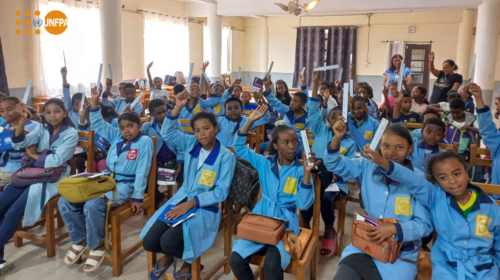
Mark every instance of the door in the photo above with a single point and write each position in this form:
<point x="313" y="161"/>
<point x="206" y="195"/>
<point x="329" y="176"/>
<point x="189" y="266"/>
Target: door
<point x="417" y="59"/>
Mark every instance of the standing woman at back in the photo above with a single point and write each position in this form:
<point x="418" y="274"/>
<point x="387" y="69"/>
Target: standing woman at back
<point x="447" y="79"/>
<point x="393" y="72"/>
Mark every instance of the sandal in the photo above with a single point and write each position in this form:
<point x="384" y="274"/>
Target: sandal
<point x="152" y="274"/>
<point x="96" y="261"/>
<point x="74" y="253"/>
<point x="328" y="244"/>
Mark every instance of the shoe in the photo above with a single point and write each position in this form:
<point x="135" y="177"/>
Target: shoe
<point x="5" y="267"/>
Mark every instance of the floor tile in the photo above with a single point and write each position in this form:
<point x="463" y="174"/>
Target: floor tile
<point x="30" y="266"/>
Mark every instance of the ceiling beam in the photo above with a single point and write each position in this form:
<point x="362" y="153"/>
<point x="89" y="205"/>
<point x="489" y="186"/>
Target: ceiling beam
<point x="210" y="2"/>
<point x="259" y="17"/>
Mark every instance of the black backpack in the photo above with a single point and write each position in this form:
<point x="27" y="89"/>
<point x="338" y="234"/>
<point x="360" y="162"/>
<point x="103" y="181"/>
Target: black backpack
<point x="169" y="80"/>
<point x="245" y="185"/>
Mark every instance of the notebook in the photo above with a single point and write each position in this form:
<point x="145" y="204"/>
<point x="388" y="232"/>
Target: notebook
<point x="179" y="220"/>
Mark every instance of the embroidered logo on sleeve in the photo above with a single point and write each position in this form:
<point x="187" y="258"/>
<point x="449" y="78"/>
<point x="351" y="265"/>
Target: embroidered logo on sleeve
<point x="196" y="109"/>
<point x="482" y="223"/>
<point x="368" y="135"/>
<point x="132" y="154"/>
<point x="342" y="151"/>
<point x="207" y="178"/>
<point x="299" y="126"/>
<point x="290" y="186"/>
<point x="403" y="206"/>
<point x="217" y="109"/>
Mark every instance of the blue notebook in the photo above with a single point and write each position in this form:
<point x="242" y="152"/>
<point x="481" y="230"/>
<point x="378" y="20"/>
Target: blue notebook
<point x="5" y="140"/>
<point x="180" y="219"/>
<point x="100" y="142"/>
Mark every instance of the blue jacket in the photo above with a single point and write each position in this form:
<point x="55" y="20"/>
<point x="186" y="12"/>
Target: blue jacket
<point x="11" y="159"/>
<point x="130" y="163"/>
<point x="372" y="110"/>
<point x="491" y="138"/>
<point x="152" y="129"/>
<point x="466" y="248"/>
<point x="120" y="104"/>
<point x="282" y="192"/>
<point x="385" y="198"/>
<point x="2" y="121"/>
<point x="63" y="145"/>
<point x="419" y="158"/>
<point x="74" y="116"/>
<point x="364" y="133"/>
<point x="187" y="112"/>
<point x="207" y="185"/>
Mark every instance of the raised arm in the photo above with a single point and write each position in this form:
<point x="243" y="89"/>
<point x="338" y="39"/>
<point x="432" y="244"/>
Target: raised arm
<point x="98" y="124"/>
<point x="241" y="137"/>
<point x="305" y="192"/>
<point x="176" y="139"/>
<point x="487" y="128"/>
<point x="66" y="93"/>
<point x="272" y="100"/>
<point x="105" y="94"/>
<point x="398" y="99"/>
<point x="151" y="84"/>
<point x="433" y="70"/>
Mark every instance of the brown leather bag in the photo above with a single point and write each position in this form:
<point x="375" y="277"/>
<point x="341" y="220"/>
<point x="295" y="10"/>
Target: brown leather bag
<point x="386" y="251"/>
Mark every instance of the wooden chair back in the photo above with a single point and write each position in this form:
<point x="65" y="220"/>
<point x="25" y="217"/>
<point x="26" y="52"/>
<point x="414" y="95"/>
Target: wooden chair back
<point x="89" y="145"/>
<point x="186" y="125"/>
<point x="449" y="147"/>
<point x="249" y="89"/>
<point x="412" y="125"/>
<point x="145" y="119"/>
<point x="476" y="153"/>
<point x="490" y="189"/>
<point x="256" y="137"/>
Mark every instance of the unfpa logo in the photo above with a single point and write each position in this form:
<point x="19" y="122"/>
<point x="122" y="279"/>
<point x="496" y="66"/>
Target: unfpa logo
<point x="55" y="22"/>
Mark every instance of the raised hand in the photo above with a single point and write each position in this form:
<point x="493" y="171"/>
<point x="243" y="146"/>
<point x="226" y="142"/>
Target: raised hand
<point x="317" y="77"/>
<point x="109" y="83"/>
<point x="205" y="65"/>
<point x="94" y="97"/>
<point x="302" y="79"/>
<point x="339" y="129"/>
<point x="258" y="113"/>
<point x="128" y="109"/>
<point x="237" y="82"/>
<point x="431" y="56"/>
<point x="267" y="80"/>
<point x="182" y="98"/>
<point x="475" y="90"/>
<point x="149" y="65"/>
<point x="22" y="111"/>
<point x="385" y="91"/>
<point x="398" y="96"/>
<point x="312" y="159"/>
<point x="337" y="83"/>
<point x="64" y="71"/>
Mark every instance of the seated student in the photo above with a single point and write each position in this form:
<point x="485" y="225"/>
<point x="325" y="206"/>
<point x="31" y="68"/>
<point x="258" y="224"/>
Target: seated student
<point x="393" y="88"/>
<point x="286" y="184"/>
<point x="467" y="97"/>
<point x="427" y="114"/>
<point x="324" y="90"/>
<point x="208" y="173"/>
<point x="383" y="198"/>
<point x="419" y="101"/>
<point x="11" y="158"/>
<point x="488" y="131"/>
<point x="247" y="105"/>
<point x="86" y="221"/>
<point x="361" y="126"/>
<point x="217" y="90"/>
<point x="121" y="103"/>
<point x="367" y="92"/>
<point x="295" y="116"/>
<point x="195" y="104"/>
<point x="60" y="137"/>
<point x="233" y="121"/>
<point x="445" y="106"/>
<point x="433" y="133"/>
<point x="155" y="87"/>
<point x="34" y="115"/>
<point x="325" y="112"/>
<point x="237" y="91"/>
<point x="281" y="92"/>
<point x="73" y="103"/>
<point x="461" y="123"/>
<point x="165" y="157"/>
<point x="466" y="219"/>
<point x="2" y="120"/>
<point x="404" y="107"/>
<point x="323" y="135"/>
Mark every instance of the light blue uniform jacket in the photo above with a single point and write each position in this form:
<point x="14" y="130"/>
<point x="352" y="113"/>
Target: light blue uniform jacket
<point x="120" y="104"/>
<point x="285" y="111"/>
<point x="11" y="159"/>
<point x="220" y="109"/>
<point x="130" y="163"/>
<point x="187" y="112"/>
<point x="152" y="129"/>
<point x="491" y="138"/>
<point x="364" y="133"/>
<point x="63" y="144"/>
<point x="466" y="248"/>
<point x="208" y="186"/>
<point x="384" y="198"/>
<point x="419" y="158"/>
<point x="2" y="121"/>
<point x="74" y="116"/>
<point x="372" y="110"/>
<point x="282" y="192"/>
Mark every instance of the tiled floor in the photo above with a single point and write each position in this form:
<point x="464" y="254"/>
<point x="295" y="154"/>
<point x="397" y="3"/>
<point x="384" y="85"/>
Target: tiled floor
<point x="32" y="263"/>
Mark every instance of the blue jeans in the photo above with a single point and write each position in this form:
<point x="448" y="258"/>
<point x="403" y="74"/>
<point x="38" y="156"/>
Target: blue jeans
<point x="12" y="205"/>
<point x="85" y="221"/>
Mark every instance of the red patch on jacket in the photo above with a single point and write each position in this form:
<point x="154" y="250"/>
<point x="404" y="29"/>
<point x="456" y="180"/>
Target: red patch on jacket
<point x="132" y="154"/>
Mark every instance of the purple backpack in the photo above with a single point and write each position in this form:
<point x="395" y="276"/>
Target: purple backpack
<point x="29" y="175"/>
<point x="455" y="135"/>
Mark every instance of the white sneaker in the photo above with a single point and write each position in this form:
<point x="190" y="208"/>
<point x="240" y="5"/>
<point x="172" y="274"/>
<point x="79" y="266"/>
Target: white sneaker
<point x="5" y="267"/>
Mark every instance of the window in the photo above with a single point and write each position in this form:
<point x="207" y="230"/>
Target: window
<point x="81" y="43"/>
<point x="166" y="42"/>
<point x="226" y="44"/>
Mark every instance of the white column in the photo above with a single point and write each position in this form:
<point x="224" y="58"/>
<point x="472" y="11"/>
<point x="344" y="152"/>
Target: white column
<point x="264" y="64"/>
<point x="487" y="30"/>
<point x="465" y="43"/>
<point x="215" y="31"/>
<point x="110" y="12"/>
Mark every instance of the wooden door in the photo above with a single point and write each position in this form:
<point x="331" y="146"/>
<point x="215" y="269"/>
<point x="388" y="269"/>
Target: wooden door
<point x="417" y="59"/>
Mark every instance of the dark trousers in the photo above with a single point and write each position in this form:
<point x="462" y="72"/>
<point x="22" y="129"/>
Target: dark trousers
<point x="12" y="205"/>
<point x="272" y="264"/>
<point x="161" y="238"/>
<point x="357" y="267"/>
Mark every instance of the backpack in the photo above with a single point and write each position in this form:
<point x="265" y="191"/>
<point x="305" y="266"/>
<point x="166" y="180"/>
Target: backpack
<point x="169" y="80"/>
<point x="245" y="185"/>
<point x="179" y="77"/>
<point x="455" y="135"/>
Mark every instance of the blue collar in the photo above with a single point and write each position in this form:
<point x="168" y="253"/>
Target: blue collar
<point x="435" y="150"/>
<point x="212" y="157"/>
<point x="386" y="180"/>
<point x="119" y="146"/>
<point x="302" y="119"/>
<point x="355" y="122"/>
<point x="238" y="123"/>
<point x="154" y="124"/>
<point x="190" y="110"/>
<point x="482" y="198"/>
<point x="274" y="160"/>
<point x="57" y="135"/>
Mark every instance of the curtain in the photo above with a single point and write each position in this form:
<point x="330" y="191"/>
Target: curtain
<point x="394" y="47"/>
<point x="226" y="45"/>
<point x="166" y="42"/>
<point x="341" y="44"/>
<point x="4" y="87"/>
<point x="81" y="43"/>
<point x="309" y="48"/>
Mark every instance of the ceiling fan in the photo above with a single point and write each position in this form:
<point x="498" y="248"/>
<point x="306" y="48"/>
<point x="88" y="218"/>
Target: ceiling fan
<point x="295" y="8"/>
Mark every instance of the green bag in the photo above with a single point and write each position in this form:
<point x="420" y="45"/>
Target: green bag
<point x="82" y="189"/>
